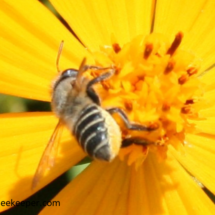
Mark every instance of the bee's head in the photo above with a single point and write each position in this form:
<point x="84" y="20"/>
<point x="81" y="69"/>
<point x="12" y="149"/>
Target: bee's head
<point x="73" y="77"/>
<point x="62" y="86"/>
<point x="70" y="84"/>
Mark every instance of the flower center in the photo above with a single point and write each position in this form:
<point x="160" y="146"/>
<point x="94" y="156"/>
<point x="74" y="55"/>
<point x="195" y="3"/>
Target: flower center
<point x="156" y="84"/>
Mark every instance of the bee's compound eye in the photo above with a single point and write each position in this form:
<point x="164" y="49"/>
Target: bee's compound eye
<point x="69" y="73"/>
<point x="65" y="75"/>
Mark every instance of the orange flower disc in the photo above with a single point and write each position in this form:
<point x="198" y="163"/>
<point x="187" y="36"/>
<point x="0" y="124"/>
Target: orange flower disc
<point x="156" y="84"/>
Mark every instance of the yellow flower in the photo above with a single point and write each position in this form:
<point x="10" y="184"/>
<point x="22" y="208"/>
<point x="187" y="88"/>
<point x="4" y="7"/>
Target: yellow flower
<point x="164" y="55"/>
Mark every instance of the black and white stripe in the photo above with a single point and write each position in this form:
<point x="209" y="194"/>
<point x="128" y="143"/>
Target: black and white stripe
<point x="91" y="132"/>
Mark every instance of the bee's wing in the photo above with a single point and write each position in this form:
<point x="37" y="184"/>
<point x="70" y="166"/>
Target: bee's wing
<point x="48" y="158"/>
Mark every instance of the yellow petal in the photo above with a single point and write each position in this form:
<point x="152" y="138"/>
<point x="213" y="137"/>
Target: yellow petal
<point x="156" y="188"/>
<point x="97" y="22"/>
<point x="208" y="79"/>
<point x="174" y="16"/>
<point x="29" y="42"/>
<point x="138" y="193"/>
<point x="209" y="112"/>
<point x="180" y="195"/>
<point x="23" y="140"/>
<point x="199" y="158"/>
<point x="206" y="126"/>
<point x="195" y="19"/>
<point x="94" y="180"/>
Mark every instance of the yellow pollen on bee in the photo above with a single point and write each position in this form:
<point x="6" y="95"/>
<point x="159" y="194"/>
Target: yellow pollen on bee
<point x="156" y="84"/>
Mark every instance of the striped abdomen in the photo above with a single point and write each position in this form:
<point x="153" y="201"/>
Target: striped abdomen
<point x="94" y="135"/>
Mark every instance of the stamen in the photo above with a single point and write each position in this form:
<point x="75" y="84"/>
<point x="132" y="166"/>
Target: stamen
<point x="128" y="105"/>
<point x="183" y="79"/>
<point x="165" y="107"/>
<point x="192" y="71"/>
<point x="189" y="101"/>
<point x="106" y="85"/>
<point x="116" y="47"/>
<point x="141" y="78"/>
<point x="117" y="70"/>
<point x="185" y="110"/>
<point x="175" y="43"/>
<point x="145" y="149"/>
<point x="157" y="54"/>
<point x="169" y="67"/>
<point x="153" y="126"/>
<point x="160" y="86"/>
<point x="148" y="50"/>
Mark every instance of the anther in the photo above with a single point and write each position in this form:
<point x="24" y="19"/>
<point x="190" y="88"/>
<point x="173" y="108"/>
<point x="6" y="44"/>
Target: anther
<point x="189" y="101"/>
<point x="116" y="47"/>
<point x="145" y="149"/>
<point x="165" y="107"/>
<point x="106" y="85"/>
<point x="169" y="67"/>
<point x="128" y="105"/>
<point x="175" y="43"/>
<point x="153" y="126"/>
<point x="183" y="79"/>
<point x="148" y="50"/>
<point x="192" y="71"/>
<point x="117" y="70"/>
<point x="185" y="110"/>
<point x="141" y="78"/>
<point x="157" y="54"/>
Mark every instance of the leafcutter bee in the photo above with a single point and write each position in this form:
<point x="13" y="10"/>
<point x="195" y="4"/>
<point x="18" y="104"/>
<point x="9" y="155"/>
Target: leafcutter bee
<point x="78" y="107"/>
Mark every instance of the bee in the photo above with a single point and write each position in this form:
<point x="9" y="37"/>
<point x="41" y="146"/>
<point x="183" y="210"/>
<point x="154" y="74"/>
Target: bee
<point x="78" y="107"/>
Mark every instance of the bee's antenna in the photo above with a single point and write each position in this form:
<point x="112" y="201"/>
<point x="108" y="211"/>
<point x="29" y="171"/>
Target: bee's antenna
<point x="81" y="70"/>
<point x="58" y="55"/>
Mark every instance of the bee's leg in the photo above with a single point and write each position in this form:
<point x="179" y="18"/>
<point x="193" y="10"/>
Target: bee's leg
<point x="86" y="67"/>
<point x="135" y="140"/>
<point x="102" y="77"/>
<point x="91" y="92"/>
<point x="128" y="124"/>
<point x="83" y="68"/>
